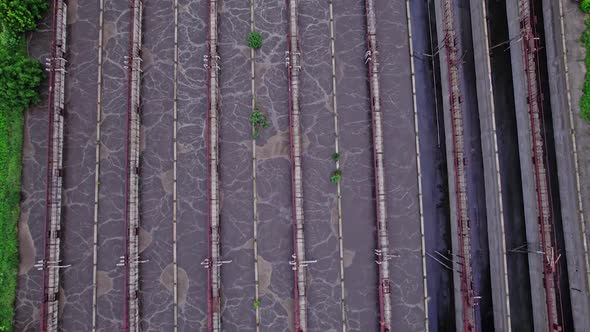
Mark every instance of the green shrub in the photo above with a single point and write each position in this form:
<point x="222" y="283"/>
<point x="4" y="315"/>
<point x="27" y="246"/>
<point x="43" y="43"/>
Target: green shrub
<point x="255" y="40"/>
<point x="20" y="78"/>
<point x="256" y="304"/>
<point x="258" y="121"/>
<point x="336" y="176"/>
<point x="585" y="6"/>
<point x="335" y="156"/>
<point x="21" y="15"/>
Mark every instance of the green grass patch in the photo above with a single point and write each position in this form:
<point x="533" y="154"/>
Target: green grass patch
<point x="585" y="100"/>
<point x="11" y="126"/>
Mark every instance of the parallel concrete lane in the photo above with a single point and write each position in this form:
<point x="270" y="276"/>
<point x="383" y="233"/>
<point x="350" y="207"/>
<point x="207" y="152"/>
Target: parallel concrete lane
<point x="358" y="201"/>
<point x="156" y="174"/>
<point x="192" y="167"/>
<point x="235" y="167"/>
<point x="489" y="147"/>
<point x="320" y="209"/>
<point x="433" y="163"/>
<point x="110" y="278"/>
<point x="571" y="26"/>
<point x="401" y="177"/>
<point x="275" y="229"/>
<point x="79" y="165"/>
<point x="30" y="226"/>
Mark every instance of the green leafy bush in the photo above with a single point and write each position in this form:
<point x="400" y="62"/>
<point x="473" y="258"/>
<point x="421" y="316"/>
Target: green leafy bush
<point x="335" y="156"/>
<point x="21" y="15"/>
<point x="336" y="176"/>
<point x="255" y="40"/>
<point x="585" y="6"/>
<point x="258" y="121"/>
<point x="20" y="78"/>
<point x="11" y="42"/>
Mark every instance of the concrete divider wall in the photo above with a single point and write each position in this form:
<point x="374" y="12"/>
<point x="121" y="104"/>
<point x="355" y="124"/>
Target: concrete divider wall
<point x="493" y="189"/>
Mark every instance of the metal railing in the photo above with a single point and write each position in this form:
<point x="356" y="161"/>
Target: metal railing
<point x="51" y="263"/>
<point x="382" y="250"/>
<point x="463" y="229"/>
<point x="530" y="42"/>
<point x="131" y="258"/>
<point x="299" y="262"/>
<point x="213" y="262"/>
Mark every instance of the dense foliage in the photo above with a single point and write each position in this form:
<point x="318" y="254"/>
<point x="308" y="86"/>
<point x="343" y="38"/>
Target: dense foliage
<point x="585" y="6"/>
<point x="20" y="78"/>
<point x="21" y="15"/>
<point x="585" y="101"/>
<point x="254" y="40"/>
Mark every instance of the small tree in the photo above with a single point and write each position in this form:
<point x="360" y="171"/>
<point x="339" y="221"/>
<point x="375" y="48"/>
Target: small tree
<point x="258" y="121"/>
<point x="254" y="40"/>
<point x="22" y="15"/>
<point x="336" y="176"/>
<point x="585" y="6"/>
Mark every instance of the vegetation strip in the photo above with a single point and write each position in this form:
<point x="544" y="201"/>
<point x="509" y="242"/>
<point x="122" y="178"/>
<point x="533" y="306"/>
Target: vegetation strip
<point x="20" y="78"/>
<point x="574" y="141"/>
<point x="585" y="101"/>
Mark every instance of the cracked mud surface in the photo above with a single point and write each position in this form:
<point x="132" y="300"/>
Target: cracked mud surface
<point x="156" y="296"/>
<point x="79" y="162"/>
<point x="358" y="204"/>
<point x="273" y="170"/>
